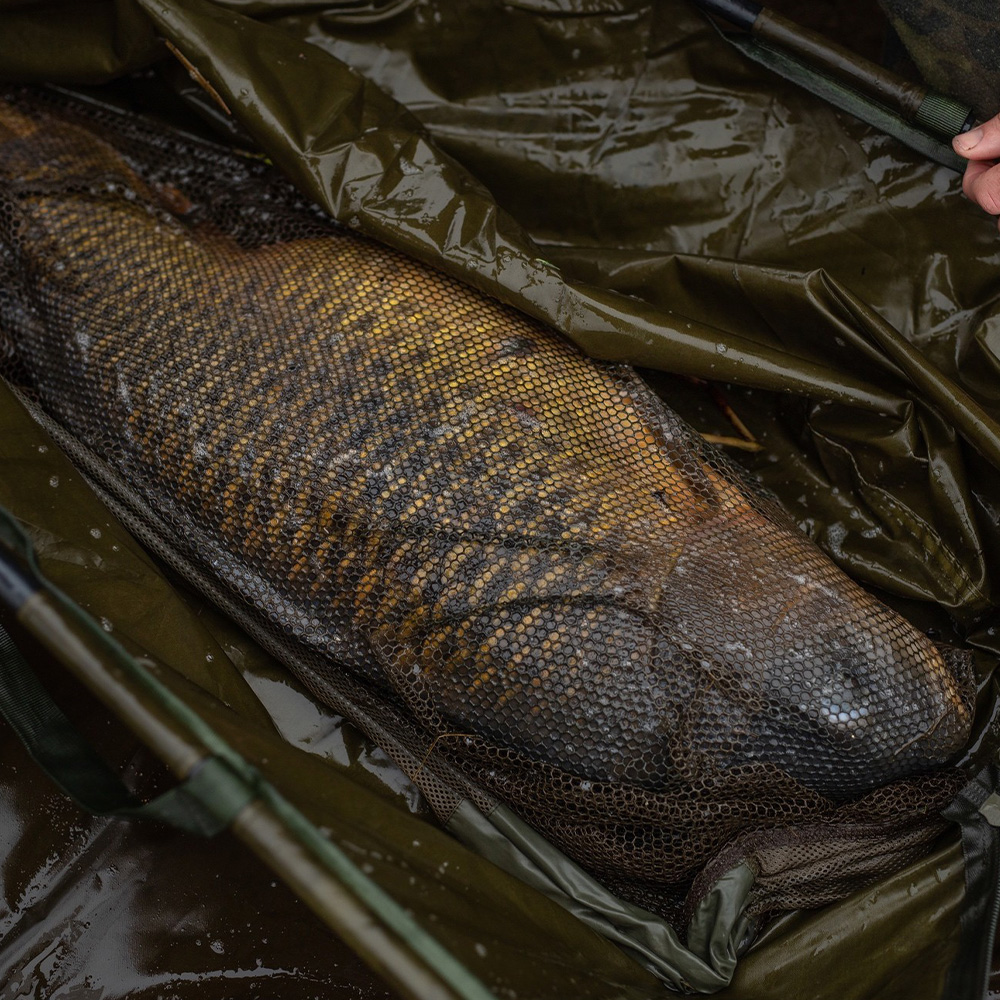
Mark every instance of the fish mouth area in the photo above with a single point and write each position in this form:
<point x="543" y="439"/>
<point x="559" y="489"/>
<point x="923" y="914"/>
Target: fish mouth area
<point x="844" y="754"/>
<point x="810" y="673"/>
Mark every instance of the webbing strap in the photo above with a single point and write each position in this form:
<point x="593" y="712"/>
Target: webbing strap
<point x="205" y="803"/>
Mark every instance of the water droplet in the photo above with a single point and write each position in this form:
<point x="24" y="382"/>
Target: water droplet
<point x="53" y="481"/>
<point x="95" y="532"/>
<point x="106" y="625"/>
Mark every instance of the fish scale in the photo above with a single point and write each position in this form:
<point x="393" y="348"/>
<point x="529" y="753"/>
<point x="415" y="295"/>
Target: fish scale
<point x="436" y="492"/>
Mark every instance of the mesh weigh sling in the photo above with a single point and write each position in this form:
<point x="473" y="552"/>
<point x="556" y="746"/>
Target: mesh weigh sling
<point x="511" y="565"/>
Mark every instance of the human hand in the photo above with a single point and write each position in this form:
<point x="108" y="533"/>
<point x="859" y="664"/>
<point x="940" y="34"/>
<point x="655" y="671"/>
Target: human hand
<point x="981" y="147"/>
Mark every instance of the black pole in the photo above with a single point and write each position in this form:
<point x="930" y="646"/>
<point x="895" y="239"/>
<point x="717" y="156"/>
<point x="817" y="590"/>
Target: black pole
<point x="930" y="111"/>
<point x="741" y="13"/>
<point x="16" y="583"/>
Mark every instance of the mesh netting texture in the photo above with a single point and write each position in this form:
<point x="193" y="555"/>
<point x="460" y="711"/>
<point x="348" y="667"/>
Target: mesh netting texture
<point x="513" y="563"/>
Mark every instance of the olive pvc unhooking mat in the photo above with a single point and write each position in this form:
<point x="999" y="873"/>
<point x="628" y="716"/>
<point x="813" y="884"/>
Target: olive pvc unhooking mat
<point x="817" y="309"/>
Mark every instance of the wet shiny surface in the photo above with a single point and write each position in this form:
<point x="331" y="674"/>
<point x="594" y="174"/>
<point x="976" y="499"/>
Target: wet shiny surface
<point x="101" y="909"/>
<point x="893" y="230"/>
<point x="713" y="195"/>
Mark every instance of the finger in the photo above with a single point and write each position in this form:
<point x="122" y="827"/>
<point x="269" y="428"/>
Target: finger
<point x="982" y="184"/>
<point x="980" y="143"/>
<point x="974" y="169"/>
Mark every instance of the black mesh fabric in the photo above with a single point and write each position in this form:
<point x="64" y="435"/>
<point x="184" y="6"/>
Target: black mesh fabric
<point x="512" y="565"/>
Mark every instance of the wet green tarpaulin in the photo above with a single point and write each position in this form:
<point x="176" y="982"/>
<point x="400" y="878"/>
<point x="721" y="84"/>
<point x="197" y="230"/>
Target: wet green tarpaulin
<point x="618" y="171"/>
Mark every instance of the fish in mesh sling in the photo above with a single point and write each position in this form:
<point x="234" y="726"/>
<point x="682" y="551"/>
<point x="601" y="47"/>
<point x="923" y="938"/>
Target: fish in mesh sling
<point x="426" y="488"/>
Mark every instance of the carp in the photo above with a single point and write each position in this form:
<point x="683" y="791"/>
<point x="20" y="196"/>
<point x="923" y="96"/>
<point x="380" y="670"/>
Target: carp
<point x="438" y="493"/>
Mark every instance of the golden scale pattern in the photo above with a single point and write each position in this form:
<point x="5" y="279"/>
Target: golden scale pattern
<point x="433" y="491"/>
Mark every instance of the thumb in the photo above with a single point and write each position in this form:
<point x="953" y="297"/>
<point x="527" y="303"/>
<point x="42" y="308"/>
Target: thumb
<point x="980" y="143"/>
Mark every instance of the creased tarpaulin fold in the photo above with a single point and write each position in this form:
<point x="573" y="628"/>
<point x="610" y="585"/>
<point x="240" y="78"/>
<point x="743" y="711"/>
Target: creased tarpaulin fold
<point x="373" y="167"/>
<point x="733" y="263"/>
